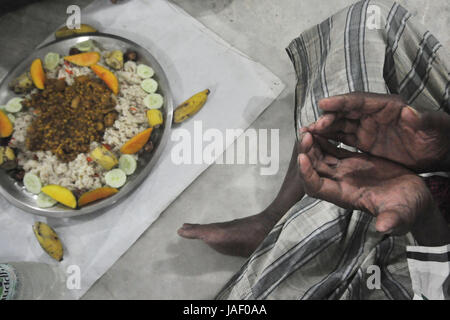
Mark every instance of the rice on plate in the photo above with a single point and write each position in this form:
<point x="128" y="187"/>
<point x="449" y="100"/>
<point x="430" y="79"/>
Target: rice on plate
<point x="106" y="163"/>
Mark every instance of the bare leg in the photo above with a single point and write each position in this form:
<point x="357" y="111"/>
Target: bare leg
<point x="242" y="236"/>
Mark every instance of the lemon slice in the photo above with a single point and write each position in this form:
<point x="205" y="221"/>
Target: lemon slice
<point x="51" y="60"/>
<point x="144" y="71"/>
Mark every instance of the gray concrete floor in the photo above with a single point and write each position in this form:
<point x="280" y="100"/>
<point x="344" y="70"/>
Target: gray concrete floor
<point x="160" y="265"/>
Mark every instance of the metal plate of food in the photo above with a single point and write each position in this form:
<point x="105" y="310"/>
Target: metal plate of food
<point x="69" y="137"/>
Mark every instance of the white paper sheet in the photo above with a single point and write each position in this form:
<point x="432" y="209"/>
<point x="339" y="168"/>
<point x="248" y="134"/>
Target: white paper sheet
<point x="194" y="58"/>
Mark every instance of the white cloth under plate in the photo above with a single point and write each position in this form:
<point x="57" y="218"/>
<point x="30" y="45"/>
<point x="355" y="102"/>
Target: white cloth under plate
<point x="194" y="58"/>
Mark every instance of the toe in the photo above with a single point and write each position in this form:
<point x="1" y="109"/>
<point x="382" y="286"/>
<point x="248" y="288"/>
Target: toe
<point x="190" y="231"/>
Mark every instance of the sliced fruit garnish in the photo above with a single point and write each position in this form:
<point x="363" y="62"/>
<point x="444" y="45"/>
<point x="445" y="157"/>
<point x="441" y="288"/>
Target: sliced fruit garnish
<point x="60" y="194"/>
<point x="155" y="117"/>
<point x="144" y="71"/>
<point x="14" y="105"/>
<point x="97" y="194"/>
<point x="37" y="74"/>
<point x="85" y="59"/>
<point x="107" y="76"/>
<point x="32" y="183"/>
<point x="154" y="101"/>
<point x="51" y="60"/>
<point x="149" y="85"/>
<point x="115" y="178"/>
<point x="44" y="201"/>
<point x="137" y="142"/>
<point x="6" y="127"/>
<point x="128" y="164"/>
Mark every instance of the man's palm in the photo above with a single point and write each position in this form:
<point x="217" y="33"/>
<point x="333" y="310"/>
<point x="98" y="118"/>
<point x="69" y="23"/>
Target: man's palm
<point x="384" y="126"/>
<point x="395" y="195"/>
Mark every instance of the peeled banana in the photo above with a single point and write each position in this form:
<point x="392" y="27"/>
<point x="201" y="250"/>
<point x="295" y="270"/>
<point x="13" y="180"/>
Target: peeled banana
<point x="7" y="158"/>
<point x="104" y="157"/>
<point x="191" y="106"/>
<point x="66" y="32"/>
<point x="49" y="241"/>
<point x="114" y="59"/>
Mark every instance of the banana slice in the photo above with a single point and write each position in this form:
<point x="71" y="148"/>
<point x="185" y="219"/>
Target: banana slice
<point x="49" y="241"/>
<point x="154" y="117"/>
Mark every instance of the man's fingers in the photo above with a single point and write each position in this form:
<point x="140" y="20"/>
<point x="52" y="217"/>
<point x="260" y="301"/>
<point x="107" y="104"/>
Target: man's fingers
<point x="323" y="122"/>
<point x="313" y="183"/>
<point x="390" y="222"/>
<point x="409" y="117"/>
<point x="317" y="186"/>
<point x="306" y="142"/>
<point x="330" y="123"/>
<point x="363" y="102"/>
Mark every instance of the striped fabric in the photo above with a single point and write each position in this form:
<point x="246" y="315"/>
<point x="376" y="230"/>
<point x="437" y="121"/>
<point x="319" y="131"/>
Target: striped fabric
<point x="318" y="250"/>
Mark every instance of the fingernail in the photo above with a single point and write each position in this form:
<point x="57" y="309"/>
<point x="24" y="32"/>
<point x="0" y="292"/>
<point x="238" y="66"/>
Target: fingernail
<point x="414" y="111"/>
<point x="302" y="135"/>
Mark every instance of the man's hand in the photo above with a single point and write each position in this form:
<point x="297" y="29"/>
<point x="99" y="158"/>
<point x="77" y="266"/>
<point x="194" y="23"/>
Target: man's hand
<point x="395" y="195"/>
<point x="384" y="126"/>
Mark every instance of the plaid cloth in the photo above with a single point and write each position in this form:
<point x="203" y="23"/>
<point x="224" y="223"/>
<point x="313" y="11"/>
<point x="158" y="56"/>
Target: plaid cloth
<point x="440" y="189"/>
<point x="318" y="250"/>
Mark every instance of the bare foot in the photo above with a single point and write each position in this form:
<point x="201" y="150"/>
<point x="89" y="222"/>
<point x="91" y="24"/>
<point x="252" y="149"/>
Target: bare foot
<point x="242" y="236"/>
<point x="238" y="237"/>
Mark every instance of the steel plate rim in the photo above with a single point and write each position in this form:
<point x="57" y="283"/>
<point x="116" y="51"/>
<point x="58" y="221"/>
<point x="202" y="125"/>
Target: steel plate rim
<point x="138" y="180"/>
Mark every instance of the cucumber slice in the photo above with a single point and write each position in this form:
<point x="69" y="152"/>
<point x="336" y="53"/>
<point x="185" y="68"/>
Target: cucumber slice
<point x="51" y="60"/>
<point x="127" y="164"/>
<point x="84" y="46"/>
<point x="115" y="178"/>
<point x="14" y="105"/>
<point x="149" y="85"/>
<point x="32" y="183"/>
<point x="11" y="118"/>
<point x="44" y="201"/>
<point x="154" y="101"/>
<point x="144" y="71"/>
